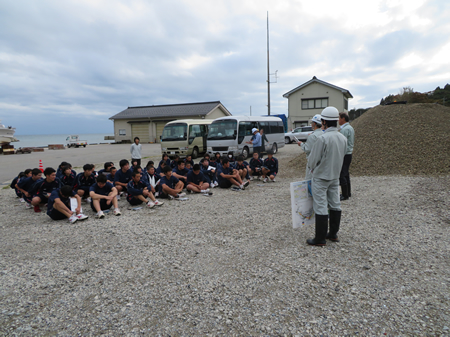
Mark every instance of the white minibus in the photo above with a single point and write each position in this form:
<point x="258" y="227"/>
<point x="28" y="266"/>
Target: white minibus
<point x="232" y="133"/>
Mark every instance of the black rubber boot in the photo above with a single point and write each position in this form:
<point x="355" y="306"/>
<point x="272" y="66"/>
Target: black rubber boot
<point x="335" y="222"/>
<point x="344" y="189"/>
<point x="321" y="231"/>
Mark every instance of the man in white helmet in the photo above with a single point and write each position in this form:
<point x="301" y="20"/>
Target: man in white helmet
<point x="325" y="163"/>
<point x="316" y="124"/>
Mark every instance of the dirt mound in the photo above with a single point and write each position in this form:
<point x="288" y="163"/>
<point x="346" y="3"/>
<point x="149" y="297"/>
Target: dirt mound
<point x="411" y="139"/>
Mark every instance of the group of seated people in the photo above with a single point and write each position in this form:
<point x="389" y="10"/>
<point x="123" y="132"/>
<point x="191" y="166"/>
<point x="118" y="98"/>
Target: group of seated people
<point x="103" y="189"/>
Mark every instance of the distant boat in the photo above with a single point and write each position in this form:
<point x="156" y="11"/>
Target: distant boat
<point x="7" y="134"/>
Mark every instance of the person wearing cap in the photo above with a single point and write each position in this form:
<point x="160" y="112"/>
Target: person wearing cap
<point x="256" y="141"/>
<point x="349" y="133"/>
<point x="325" y="163"/>
<point x="316" y="125"/>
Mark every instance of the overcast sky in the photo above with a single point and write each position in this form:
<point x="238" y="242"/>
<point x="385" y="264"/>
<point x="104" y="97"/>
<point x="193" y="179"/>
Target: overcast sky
<point x="67" y="66"/>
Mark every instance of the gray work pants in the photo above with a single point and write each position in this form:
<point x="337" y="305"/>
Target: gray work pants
<point x="325" y="195"/>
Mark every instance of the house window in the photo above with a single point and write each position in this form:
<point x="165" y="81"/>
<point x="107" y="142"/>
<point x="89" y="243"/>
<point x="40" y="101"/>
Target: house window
<point x="122" y="132"/>
<point x="315" y="103"/>
<point x="345" y="103"/>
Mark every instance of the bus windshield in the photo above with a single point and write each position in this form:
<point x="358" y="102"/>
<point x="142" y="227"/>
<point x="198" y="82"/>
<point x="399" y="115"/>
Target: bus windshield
<point x="173" y="132"/>
<point x="223" y="129"/>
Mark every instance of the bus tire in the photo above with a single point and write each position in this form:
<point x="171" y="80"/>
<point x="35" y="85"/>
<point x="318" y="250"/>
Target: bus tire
<point x="274" y="148"/>
<point x="195" y="153"/>
<point x="245" y="152"/>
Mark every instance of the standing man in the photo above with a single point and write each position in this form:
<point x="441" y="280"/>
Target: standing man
<point x="325" y="163"/>
<point x="316" y="124"/>
<point x="135" y="151"/>
<point x="256" y="141"/>
<point x="263" y="141"/>
<point x="349" y="133"/>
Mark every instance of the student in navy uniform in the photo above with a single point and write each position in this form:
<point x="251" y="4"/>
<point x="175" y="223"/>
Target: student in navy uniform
<point x="59" y="171"/>
<point x="218" y="158"/>
<point x="170" y="186"/>
<point x="111" y="175"/>
<point x="196" y="181"/>
<point x="210" y="174"/>
<point x="28" y="186"/>
<point x="138" y="192"/>
<point x="181" y="172"/>
<point x="165" y="159"/>
<point x="134" y="164"/>
<point x="228" y="176"/>
<point x="84" y="181"/>
<point x="270" y="163"/>
<point x="58" y="207"/>
<point x="256" y="166"/>
<point x="106" y="168"/>
<point x="188" y="166"/>
<point x="188" y="159"/>
<point x="103" y="196"/>
<point x="160" y="169"/>
<point x="68" y="177"/>
<point x="122" y="176"/>
<point x="45" y="188"/>
<point x="152" y="179"/>
<point x="174" y="162"/>
<point x="15" y="182"/>
<point x="231" y="158"/>
<point x="242" y="167"/>
<point x="94" y="172"/>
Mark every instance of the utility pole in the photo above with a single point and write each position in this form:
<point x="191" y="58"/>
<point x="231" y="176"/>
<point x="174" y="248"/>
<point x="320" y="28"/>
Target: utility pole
<point x="268" y="68"/>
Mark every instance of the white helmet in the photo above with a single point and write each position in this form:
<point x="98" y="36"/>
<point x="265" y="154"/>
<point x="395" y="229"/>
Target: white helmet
<point x="254" y="130"/>
<point x="330" y="114"/>
<point x="317" y="119"/>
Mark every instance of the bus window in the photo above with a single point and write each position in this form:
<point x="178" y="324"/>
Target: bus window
<point x="223" y="129"/>
<point x="265" y="127"/>
<point x="173" y="132"/>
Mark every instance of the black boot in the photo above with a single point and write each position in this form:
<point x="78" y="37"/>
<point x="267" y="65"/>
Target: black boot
<point x="321" y="231"/>
<point x="335" y="222"/>
<point x="349" y="189"/>
<point x="344" y="189"/>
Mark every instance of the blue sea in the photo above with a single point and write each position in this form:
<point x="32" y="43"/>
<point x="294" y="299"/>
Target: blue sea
<point x="44" y="140"/>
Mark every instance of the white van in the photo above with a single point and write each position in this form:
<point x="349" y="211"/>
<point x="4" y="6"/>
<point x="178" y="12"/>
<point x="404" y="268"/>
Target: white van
<point x="232" y="133"/>
<point x="185" y="137"/>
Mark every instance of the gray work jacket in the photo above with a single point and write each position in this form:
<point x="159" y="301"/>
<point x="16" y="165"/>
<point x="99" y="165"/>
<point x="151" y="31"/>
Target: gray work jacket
<point x="349" y="133"/>
<point x="307" y="146"/>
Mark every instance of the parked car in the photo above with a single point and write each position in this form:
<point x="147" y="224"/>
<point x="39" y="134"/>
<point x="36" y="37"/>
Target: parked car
<point x="74" y="141"/>
<point x="301" y="133"/>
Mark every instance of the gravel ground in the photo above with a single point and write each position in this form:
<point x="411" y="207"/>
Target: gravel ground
<point x="232" y="264"/>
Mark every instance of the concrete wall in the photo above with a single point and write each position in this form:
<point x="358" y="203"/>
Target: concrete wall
<point x="122" y="124"/>
<point x="312" y="91"/>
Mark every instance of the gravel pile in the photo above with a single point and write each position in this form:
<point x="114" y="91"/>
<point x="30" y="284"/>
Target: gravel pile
<point x="411" y="139"/>
<point x="232" y="264"/>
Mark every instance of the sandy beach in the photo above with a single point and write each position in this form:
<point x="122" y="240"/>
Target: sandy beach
<point x="11" y="165"/>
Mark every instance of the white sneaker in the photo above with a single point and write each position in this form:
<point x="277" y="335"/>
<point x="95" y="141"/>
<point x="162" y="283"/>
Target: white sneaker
<point x="242" y="187"/>
<point x="212" y="185"/>
<point x="81" y="216"/>
<point x="117" y="212"/>
<point x="171" y="197"/>
<point x="181" y="195"/>
<point x="205" y="191"/>
<point x="273" y="180"/>
<point x="251" y="178"/>
<point x="73" y="219"/>
<point x="118" y="197"/>
<point x="22" y="200"/>
<point x="150" y="204"/>
<point x="27" y="205"/>
<point x="246" y="183"/>
<point x="88" y="200"/>
<point x="100" y="215"/>
<point x="265" y="180"/>
<point x="158" y="203"/>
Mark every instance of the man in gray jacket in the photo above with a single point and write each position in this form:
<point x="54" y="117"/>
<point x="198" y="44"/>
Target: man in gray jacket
<point x="325" y="163"/>
<point x="135" y="151"/>
<point x="349" y="133"/>
<point x="316" y="125"/>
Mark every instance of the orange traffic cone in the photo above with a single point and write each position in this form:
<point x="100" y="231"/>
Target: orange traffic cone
<point x="41" y="167"/>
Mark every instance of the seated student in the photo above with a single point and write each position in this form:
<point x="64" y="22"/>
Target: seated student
<point x="174" y="162"/>
<point x="212" y="162"/>
<point x="59" y="171"/>
<point x="134" y="164"/>
<point x="196" y="181"/>
<point x="150" y="163"/>
<point x="188" y="166"/>
<point x="58" y="207"/>
<point x="256" y="166"/>
<point x="218" y="158"/>
<point x="160" y="169"/>
<point x="138" y="192"/>
<point x="122" y="177"/>
<point x="111" y="175"/>
<point x="228" y="176"/>
<point x="45" y="188"/>
<point x="271" y="165"/>
<point x="68" y="177"/>
<point x="170" y="186"/>
<point x="231" y="159"/>
<point x="242" y="167"/>
<point x="94" y="172"/>
<point x="28" y="186"/>
<point x="152" y="179"/>
<point x="209" y="173"/>
<point x="180" y="172"/>
<point x="165" y="159"/>
<point x="188" y="159"/>
<point x="103" y="195"/>
<point x="84" y="181"/>
<point x="106" y="168"/>
<point x="14" y="183"/>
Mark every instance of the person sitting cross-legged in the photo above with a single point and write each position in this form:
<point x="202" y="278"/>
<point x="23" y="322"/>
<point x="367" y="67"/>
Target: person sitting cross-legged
<point x="196" y="181"/>
<point x="138" y="192"/>
<point x="170" y="186"/>
<point x="228" y="176"/>
<point x="270" y="164"/>
<point x="103" y="195"/>
<point x="58" y="207"/>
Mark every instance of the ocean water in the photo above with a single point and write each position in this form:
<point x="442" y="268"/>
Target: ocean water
<point x="44" y="140"/>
